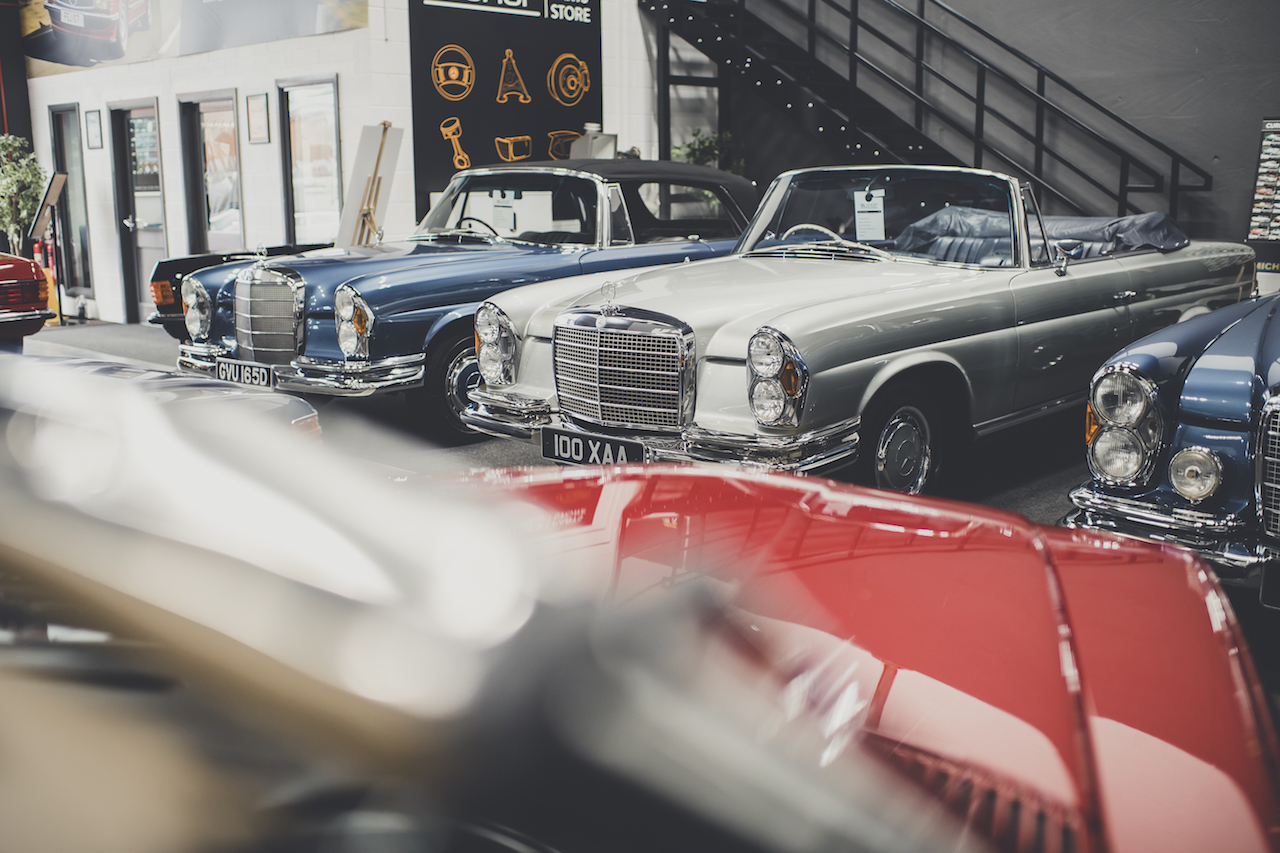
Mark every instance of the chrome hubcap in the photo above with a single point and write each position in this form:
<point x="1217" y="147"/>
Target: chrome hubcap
<point x="903" y="452"/>
<point x="462" y="375"/>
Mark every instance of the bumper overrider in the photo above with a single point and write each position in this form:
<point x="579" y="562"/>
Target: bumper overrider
<point x="508" y="415"/>
<point x="318" y="376"/>
<point x="1229" y="543"/>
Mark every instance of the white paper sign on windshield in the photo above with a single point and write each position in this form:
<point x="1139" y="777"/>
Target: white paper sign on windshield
<point x="869" y="215"/>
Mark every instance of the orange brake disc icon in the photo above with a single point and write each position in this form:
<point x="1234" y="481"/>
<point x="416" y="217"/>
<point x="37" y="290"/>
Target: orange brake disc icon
<point x="568" y="80"/>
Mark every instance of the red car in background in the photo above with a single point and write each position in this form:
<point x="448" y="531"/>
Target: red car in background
<point x="1059" y="690"/>
<point x="108" y="21"/>
<point x="24" y="297"/>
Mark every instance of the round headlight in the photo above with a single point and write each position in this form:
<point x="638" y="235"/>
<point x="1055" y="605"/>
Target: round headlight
<point x="1117" y="454"/>
<point x="1120" y="398"/>
<point x="487" y="324"/>
<point x="490" y="359"/>
<point x="764" y="352"/>
<point x="1195" y="473"/>
<point x="196" y="309"/>
<point x="348" y="339"/>
<point x="344" y="304"/>
<point x="768" y="400"/>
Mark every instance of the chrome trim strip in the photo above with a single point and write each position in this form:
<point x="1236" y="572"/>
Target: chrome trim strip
<point x="19" y="316"/>
<point x="1005" y="421"/>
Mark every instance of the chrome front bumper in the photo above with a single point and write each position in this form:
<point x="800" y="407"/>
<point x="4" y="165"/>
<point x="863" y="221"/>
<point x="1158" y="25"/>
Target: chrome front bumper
<point x="514" y="416"/>
<point x="311" y="376"/>
<point x="1227" y="542"/>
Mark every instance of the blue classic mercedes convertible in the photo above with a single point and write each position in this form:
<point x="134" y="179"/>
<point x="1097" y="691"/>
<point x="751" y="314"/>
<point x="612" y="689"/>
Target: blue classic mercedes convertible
<point x="1184" y="442"/>
<point x="398" y="316"/>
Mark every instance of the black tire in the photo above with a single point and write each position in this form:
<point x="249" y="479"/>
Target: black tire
<point x="450" y="371"/>
<point x="902" y="442"/>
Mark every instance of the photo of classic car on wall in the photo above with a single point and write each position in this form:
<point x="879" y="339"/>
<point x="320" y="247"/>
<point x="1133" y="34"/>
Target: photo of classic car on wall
<point x="398" y="316"/>
<point x="874" y="317"/>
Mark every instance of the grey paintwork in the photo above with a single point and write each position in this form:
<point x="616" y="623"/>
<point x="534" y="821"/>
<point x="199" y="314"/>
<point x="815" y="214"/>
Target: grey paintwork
<point x="1012" y="340"/>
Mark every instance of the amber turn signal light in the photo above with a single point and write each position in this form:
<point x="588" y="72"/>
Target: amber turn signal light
<point x="1091" y="423"/>
<point x="790" y="379"/>
<point x="161" y="293"/>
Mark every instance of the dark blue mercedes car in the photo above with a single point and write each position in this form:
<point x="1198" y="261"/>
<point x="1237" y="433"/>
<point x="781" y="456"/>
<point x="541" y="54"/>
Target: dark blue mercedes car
<point x="398" y="316"/>
<point x="1184" y="442"/>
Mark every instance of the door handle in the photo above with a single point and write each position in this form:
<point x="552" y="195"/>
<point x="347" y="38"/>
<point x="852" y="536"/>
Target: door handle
<point x="1125" y="295"/>
<point x="128" y="223"/>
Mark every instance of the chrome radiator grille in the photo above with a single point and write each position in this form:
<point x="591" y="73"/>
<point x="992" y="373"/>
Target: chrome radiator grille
<point x="634" y="372"/>
<point x="1269" y="471"/>
<point x="266" y="312"/>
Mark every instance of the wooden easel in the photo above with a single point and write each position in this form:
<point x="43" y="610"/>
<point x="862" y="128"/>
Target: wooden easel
<point x="366" y="226"/>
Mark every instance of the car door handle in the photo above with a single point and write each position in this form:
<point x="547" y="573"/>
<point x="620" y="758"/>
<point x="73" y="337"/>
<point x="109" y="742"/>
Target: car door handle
<point x="1125" y="295"/>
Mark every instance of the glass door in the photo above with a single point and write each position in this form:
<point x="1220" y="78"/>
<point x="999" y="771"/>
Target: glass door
<point x="313" y="161"/>
<point x="212" y="163"/>
<point x="140" y="204"/>
<point x="73" y="208"/>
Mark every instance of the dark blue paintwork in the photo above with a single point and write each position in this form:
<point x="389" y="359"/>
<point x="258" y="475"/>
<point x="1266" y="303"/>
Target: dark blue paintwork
<point x="1214" y="374"/>
<point x="417" y="288"/>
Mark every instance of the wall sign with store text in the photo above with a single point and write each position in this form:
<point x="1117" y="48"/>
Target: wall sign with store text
<point x="499" y="81"/>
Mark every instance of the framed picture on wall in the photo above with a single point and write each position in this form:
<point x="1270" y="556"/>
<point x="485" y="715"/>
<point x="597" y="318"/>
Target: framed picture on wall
<point x="93" y="128"/>
<point x="256" y="111"/>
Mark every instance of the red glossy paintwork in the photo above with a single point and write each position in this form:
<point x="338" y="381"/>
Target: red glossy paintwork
<point x="20" y="284"/>
<point x="1098" y="680"/>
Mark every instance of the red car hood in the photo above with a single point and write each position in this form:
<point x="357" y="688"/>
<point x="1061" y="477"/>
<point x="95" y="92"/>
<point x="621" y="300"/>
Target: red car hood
<point x="1054" y="685"/>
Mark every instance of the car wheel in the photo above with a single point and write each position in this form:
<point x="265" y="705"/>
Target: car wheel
<point x="451" y="371"/>
<point x="900" y="443"/>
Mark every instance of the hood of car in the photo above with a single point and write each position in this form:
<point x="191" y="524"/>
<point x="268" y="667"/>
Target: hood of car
<point x="952" y="636"/>
<point x="726" y="300"/>
<point x="1229" y="379"/>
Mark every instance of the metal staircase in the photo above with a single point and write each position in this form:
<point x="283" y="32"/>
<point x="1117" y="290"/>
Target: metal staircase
<point x="891" y="84"/>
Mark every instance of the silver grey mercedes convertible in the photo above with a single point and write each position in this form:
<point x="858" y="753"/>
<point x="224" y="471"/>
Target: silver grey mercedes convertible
<point x="872" y="316"/>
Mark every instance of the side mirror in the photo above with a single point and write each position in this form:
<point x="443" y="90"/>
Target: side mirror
<point x="1072" y="249"/>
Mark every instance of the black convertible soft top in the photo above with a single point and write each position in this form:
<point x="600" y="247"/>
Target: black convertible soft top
<point x="1103" y="235"/>
<point x="741" y="189"/>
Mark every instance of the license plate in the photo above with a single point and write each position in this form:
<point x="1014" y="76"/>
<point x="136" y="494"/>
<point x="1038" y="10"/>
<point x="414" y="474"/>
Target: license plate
<point x="575" y="448"/>
<point x="75" y="19"/>
<point x="244" y="372"/>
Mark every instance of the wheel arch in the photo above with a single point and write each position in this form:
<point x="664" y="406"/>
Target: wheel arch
<point x="941" y="375"/>
<point x="451" y="321"/>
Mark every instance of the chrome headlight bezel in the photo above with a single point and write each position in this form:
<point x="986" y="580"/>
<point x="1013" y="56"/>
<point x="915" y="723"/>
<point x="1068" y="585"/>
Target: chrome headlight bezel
<point x="197" y="309"/>
<point x="354" y="321"/>
<point x="497" y="345"/>
<point x="788" y="373"/>
<point x="1205" y="483"/>
<point x="1144" y="425"/>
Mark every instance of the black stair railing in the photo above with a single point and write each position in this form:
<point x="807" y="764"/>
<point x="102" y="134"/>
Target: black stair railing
<point x="1007" y="107"/>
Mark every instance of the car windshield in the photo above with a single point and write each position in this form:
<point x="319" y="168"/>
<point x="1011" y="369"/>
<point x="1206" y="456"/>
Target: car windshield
<point x="536" y="207"/>
<point x="939" y="215"/>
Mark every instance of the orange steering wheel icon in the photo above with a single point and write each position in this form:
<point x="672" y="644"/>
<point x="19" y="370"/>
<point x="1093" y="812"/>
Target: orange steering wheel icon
<point x="453" y="72"/>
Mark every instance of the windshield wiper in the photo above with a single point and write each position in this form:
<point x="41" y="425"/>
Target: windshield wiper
<point x="828" y="246"/>
<point x="459" y="233"/>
